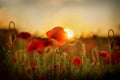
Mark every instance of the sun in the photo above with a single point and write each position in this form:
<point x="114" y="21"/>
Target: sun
<point x="69" y="32"/>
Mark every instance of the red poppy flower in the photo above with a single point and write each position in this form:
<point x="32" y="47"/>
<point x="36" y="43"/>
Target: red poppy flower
<point x="32" y="46"/>
<point x="58" y="34"/>
<point x="48" y="42"/>
<point x="77" y="61"/>
<point x="40" y="47"/>
<point x="36" y="45"/>
<point x="14" y="59"/>
<point x="114" y="58"/>
<point x="104" y="54"/>
<point x="24" y="35"/>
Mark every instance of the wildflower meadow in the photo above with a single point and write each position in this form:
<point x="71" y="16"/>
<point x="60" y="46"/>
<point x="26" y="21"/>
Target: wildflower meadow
<point x="24" y="56"/>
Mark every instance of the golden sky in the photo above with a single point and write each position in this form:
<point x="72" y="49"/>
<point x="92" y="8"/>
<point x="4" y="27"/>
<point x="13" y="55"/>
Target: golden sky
<point x="82" y="16"/>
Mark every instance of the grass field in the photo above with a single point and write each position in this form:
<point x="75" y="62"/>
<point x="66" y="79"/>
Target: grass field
<point x="27" y="57"/>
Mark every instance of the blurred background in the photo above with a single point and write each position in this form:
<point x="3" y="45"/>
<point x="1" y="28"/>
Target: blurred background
<point x="84" y="17"/>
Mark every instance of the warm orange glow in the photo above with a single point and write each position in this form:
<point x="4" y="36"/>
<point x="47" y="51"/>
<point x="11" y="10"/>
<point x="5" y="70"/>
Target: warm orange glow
<point x="69" y="32"/>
